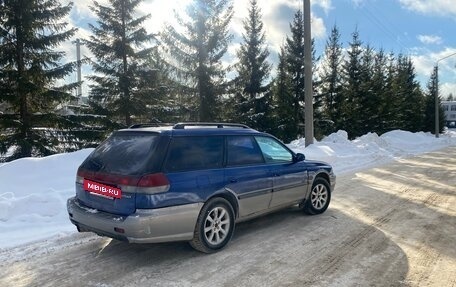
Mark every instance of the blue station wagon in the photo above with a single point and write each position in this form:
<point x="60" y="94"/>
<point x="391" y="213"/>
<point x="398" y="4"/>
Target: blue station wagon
<point x="192" y="182"/>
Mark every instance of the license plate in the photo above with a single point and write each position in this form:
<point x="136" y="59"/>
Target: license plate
<point x="102" y="189"/>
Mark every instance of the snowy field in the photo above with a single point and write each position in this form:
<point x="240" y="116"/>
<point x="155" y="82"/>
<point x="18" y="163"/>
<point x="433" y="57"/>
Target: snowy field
<point x="33" y="191"/>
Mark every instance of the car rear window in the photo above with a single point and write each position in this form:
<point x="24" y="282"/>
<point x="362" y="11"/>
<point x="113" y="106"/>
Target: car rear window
<point x="195" y="153"/>
<point x="123" y="153"/>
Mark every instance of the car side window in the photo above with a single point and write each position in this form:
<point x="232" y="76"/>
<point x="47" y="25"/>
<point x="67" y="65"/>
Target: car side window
<point x="243" y="150"/>
<point x="273" y="151"/>
<point x="195" y="153"/>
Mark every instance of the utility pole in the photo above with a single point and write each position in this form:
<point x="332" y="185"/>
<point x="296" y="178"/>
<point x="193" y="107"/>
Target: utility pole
<point x="78" y="58"/>
<point x="308" y="93"/>
<point x="437" y="129"/>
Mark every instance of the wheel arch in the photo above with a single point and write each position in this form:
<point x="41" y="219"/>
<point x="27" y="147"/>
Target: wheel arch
<point x="324" y="175"/>
<point x="314" y="175"/>
<point x="306" y="203"/>
<point x="230" y="197"/>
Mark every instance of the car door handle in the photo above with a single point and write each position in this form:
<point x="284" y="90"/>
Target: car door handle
<point x="233" y="180"/>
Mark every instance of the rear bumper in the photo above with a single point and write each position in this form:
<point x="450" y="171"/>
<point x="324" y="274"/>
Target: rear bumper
<point x="176" y="223"/>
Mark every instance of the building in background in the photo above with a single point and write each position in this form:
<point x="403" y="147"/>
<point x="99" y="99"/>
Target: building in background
<point x="450" y="113"/>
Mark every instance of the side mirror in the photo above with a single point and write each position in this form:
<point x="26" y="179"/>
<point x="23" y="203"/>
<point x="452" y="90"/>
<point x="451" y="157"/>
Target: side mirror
<point x="299" y="157"/>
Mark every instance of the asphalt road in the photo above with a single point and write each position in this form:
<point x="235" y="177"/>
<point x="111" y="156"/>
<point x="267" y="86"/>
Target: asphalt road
<point x="394" y="225"/>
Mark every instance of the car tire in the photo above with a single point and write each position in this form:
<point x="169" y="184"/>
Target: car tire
<point x="319" y="197"/>
<point x="214" y="227"/>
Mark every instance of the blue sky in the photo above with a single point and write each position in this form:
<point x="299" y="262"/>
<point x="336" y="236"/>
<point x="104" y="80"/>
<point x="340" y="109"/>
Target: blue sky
<point x="421" y="29"/>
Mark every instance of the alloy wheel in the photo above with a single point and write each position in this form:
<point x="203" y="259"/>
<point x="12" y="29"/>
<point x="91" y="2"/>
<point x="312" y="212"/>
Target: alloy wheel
<point x="217" y="225"/>
<point x="319" y="196"/>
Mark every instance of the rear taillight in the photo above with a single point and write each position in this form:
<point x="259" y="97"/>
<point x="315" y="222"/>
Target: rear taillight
<point x="80" y="176"/>
<point x="153" y="183"/>
<point x="150" y="183"/>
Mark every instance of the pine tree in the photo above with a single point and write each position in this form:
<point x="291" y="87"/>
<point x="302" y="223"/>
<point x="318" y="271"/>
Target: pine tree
<point x="30" y="31"/>
<point x="122" y="83"/>
<point x="450" y="97"/>
<point x="195" y="55"/>
<point x="331" y="81"/>
<point x="352" y="71"/>
<point x="429" y="109"/>
<point x="253" y="72"/>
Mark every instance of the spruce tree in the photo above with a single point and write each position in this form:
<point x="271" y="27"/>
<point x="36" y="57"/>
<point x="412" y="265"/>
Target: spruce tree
<point x="285" y="126"/>
<point x="369" y="91"/>
<point x="253" y="72"/>
<point x="194" y="52"/>
<point x="379" y="85"/>
<point x="123" y="80"/>
<point x="30" y="66"/>
<point x="294" y="55"/>
<point x="165" y="107"/>
<point x="429" y="108"/>
<point x="389" y="113"/>
<point x="410" y="96"/>
<point x="352" y="72"/>
<point x="294" y="51"/>
<point x="331" y="80"/>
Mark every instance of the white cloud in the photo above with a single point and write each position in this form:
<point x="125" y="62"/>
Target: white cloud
<point x="161" y="12"/>
<point x="326" y="5"/>
<point x="435" y="7"/>
<point x="318" y="27"/>
<point x="430" y="39"/>
<point x="277" y="16"/>
<point x="81" y="9"/>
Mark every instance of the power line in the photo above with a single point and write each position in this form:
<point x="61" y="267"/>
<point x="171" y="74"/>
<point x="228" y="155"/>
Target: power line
<point x="380" y="24"/>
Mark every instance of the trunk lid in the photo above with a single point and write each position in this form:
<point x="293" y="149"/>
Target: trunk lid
<point x="108" y="179"/>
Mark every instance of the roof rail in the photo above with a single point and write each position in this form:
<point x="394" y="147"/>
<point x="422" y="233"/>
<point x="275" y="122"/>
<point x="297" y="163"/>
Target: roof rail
<point x="148" y="125"/>
<point x="180" y="126"/>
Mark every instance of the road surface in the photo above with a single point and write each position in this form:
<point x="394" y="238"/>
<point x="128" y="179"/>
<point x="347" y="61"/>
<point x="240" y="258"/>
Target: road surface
<point x="393" y="225"/>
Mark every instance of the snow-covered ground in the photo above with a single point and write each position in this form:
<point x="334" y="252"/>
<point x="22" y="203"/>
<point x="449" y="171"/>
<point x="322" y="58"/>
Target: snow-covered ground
<point x="33" y="191"/>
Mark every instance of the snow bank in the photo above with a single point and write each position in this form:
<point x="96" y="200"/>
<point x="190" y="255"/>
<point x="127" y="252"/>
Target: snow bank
<point x="370" y="149"/>
<point x="33" y="194"/>
<point x="33" y="191"/>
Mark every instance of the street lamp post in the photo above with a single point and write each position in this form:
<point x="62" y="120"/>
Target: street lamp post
<point x="437" y="128"/>
<point x="308" y="93"/>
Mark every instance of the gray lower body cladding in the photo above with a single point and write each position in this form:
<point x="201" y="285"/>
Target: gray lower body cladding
<point x="176" y="223"/>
